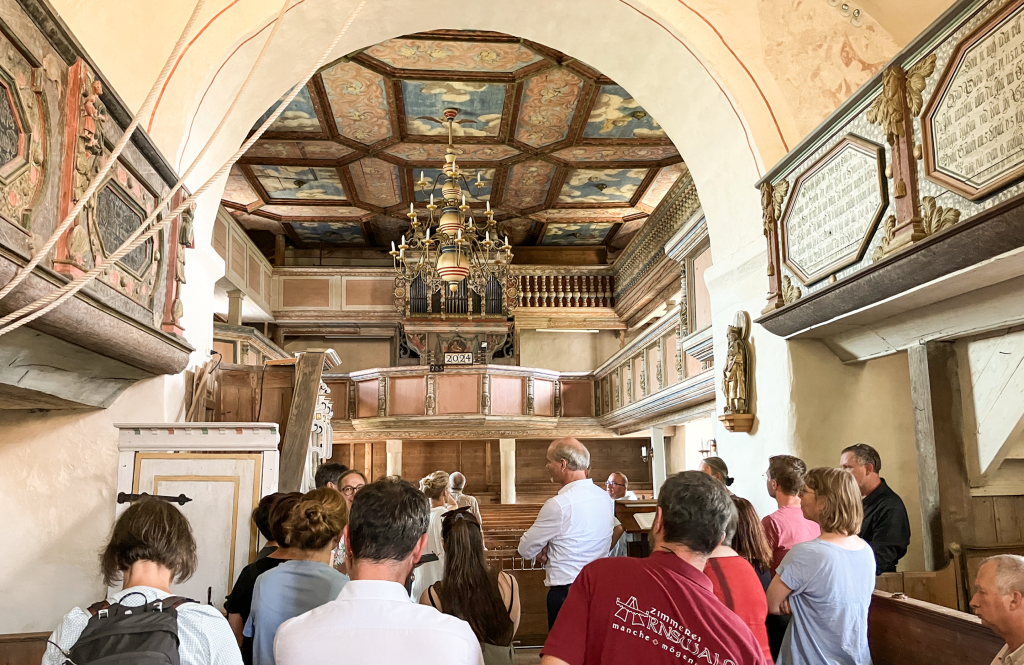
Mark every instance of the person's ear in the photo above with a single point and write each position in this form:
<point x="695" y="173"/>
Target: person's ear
<point x="1016" y="600"/>
<point x="421" y="545"/>
<point x="658" y="526"/>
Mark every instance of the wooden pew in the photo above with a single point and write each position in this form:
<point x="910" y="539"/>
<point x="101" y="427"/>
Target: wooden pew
<point x="943" y="587"/>
<point x="533" y="622"/>
<point x="913" y="632"/>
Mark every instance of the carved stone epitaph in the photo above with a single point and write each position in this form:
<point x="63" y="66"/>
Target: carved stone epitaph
<point x="834" y="209"/>
<point x="973" y="126"/>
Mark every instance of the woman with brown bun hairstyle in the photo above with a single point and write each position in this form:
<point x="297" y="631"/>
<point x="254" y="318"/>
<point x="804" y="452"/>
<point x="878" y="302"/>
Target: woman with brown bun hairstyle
<point x="306" y="581"/>
<point x="826" y="583"/>
<point x="473" y="591"/>
<point x="436" y="488"/>
<point x="734" y="568"/>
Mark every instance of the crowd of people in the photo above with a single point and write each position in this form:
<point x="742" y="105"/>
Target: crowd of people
<point x="388" y="572"/>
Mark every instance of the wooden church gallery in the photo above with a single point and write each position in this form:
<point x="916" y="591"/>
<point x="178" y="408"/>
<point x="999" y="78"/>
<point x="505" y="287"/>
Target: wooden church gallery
<point x="240" y="240"/>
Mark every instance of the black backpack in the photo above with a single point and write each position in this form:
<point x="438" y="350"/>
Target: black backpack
<point x="121" y="635"/>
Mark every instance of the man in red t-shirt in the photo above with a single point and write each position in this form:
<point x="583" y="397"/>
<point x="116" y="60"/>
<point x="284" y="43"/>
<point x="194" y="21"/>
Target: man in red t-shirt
<point x="660" y="609"/>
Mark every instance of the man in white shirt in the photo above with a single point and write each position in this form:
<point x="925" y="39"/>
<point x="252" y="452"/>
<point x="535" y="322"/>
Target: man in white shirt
<point x="373" y="621"/>
<point x="999" y="603"/>
<point x="574" y="527"/>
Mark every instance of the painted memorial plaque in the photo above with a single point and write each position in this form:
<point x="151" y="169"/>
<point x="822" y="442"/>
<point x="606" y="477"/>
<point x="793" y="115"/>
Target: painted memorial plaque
<point x="116" y="219"/>
<point x="973" y="126"/>
<point x="10" y="132"/>
<point x="833" y="210"/>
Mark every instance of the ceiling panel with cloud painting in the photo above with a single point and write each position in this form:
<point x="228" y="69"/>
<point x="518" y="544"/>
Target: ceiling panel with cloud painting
<point x="616" y="115"/>
<point x="480" y="107"/>
<point x="300" y="116"/>
<point x="567" y="156"/>
<point x="299" y="182"/>
<point x="346" y="233"/>
<point x="601" y="185"/>
<point x="587" y="233"/>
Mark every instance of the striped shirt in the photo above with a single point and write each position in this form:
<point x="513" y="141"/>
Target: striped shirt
<point x="205" y="638"/>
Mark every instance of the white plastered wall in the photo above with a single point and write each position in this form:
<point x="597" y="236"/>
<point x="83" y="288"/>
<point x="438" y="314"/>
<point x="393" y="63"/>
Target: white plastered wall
<point x="58" y="469"/>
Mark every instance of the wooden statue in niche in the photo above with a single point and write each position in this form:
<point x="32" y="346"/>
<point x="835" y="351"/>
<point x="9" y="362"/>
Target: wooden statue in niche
<point x="736" y="377"/>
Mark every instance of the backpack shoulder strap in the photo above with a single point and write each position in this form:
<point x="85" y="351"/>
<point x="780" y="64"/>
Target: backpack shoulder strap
<point x="174" y="602"/>
<point x="95" y="608"/>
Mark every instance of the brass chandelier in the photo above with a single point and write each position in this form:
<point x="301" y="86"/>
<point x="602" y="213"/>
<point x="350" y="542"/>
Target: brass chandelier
<point x="444" y="250"/>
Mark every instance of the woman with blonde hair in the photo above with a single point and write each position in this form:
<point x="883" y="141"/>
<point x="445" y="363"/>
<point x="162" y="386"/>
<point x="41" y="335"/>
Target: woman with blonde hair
<point x="436" y="488"/>
<point x="826" y="583"/>
<point x="307" y="581"/>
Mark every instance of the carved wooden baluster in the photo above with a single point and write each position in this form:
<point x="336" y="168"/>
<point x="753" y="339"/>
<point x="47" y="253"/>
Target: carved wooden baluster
<point x="549" y="292"/>
<point x="575" y="291"/>
<point x="533" y="291"/>
<point x="590" y="291"/>
<point x="563" y="281"/>
<point x="602" y="297"/>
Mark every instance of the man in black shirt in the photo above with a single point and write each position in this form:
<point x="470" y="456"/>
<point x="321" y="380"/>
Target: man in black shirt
<point x="886" y="526"/>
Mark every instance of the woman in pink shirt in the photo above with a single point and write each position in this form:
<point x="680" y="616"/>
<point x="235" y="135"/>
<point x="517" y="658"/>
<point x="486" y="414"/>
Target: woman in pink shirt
<point x="786" y="526"/>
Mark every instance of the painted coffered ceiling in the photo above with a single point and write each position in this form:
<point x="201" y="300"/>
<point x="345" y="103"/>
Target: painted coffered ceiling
<point x="565" y="155"/>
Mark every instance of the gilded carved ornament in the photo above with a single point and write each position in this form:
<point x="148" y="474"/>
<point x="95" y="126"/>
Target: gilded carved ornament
<point x="771" y="211"/>
<point x="936" y="218"/>
<point x="790" y="291"/>
<point x="887" y="111"/>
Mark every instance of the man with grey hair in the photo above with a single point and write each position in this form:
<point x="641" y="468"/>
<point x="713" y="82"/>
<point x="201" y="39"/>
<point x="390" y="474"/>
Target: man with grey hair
<point x="574" y="527"/>
<point x="999" y="603"/>
<point x="458" y="486"/>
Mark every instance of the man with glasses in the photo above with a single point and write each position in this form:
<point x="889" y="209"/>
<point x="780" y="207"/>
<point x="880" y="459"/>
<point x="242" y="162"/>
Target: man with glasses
<point x="618" y="487"/>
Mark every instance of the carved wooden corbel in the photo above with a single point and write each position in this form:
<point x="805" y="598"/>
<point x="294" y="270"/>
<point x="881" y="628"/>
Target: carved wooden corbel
<point x="558" y="399"/>
<point x="529" y="396"/>
<point x="382" y="396"/>
<point x="431" y="401"/>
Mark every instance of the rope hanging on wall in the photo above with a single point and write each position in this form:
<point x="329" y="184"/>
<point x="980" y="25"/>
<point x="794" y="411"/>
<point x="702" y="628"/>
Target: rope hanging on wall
<point x="46" y="304"/>
<point x="147" y="105"/>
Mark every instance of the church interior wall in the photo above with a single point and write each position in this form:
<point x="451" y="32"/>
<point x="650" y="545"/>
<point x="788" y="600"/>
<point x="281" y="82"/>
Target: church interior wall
<point x="839" y="405"/>
<point x="58" y="479"/>
<point x="566" y="351"/>
<point x="682" y="450"/>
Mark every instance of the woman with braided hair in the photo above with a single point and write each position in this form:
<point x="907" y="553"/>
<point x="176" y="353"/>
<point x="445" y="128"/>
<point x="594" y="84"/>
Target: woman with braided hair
<point x="305" y="582"/>
<point x="473" y="591"/>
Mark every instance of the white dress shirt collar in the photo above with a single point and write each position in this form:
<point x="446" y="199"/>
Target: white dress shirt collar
<point x="575" y="485"/>
<point x="373" y="590"/>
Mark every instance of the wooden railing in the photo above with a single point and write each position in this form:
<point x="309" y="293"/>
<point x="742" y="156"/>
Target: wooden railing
<point x="545" y="290"/>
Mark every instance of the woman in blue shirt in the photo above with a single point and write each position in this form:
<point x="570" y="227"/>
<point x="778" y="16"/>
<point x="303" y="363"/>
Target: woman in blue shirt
<point x="307" y="581"/>
<point x="826" y="583"/>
